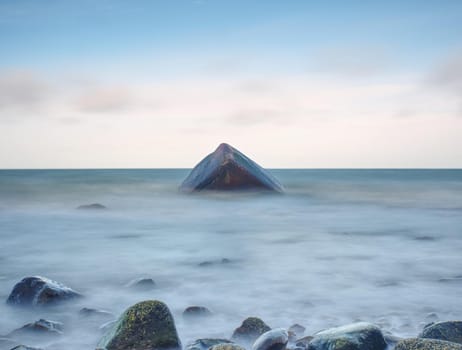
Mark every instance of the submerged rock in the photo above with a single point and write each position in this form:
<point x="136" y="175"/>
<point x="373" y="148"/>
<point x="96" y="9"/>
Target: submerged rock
<point x="228" y="169"/>
<point x="7" y="343"/>
<point x="142" y="284"/>
<point x="449" y="331"/>
<point x="275" y="339"/>
<point x="39" y="328"/>
<point x="356" y="336"/>
<point x="206" y="343"/>
<point x="196" y="311"/>
<point x="426" y="344"/>
<point x="95" y="313"/>
<point x="148" y="325"/>
<point x="39" y="291"/>
<point x="297" y="329"/>
<point x="93" y="206"/>
<point x="249" y="330"/>
<point x="24" y="347"/>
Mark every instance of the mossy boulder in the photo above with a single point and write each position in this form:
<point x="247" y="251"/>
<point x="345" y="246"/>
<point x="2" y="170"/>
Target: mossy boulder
<point x="249" y="330"/>
<point x="38" y="291"/>
<point x="449" y="331"/>
<point x="356" y="336"/>
<point x="148" y="325"/>
<point x="206" y="343"/>
<point x="426" y="344"/>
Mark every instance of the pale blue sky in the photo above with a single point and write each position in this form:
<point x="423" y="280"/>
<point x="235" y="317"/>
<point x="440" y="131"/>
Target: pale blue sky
<point x="361" y="83"/>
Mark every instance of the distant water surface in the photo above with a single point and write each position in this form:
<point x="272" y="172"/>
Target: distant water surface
<point x="341" y="245"/>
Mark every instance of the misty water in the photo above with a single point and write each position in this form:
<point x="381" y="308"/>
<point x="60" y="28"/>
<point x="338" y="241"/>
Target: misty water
<point x="339" y="246"/>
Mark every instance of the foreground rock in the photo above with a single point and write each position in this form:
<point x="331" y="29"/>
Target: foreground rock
<point x="426" y="344"/>
<point x="39" y="328"/>
<point x="196" y="311"/>
<point x="39" y="291"/>
<point x="148" y="325"/>
<point x="275" y="339"/>
<point x="228" y="169"/>
<point x="249" y="331"/>
<point x="24" y="347"/>
<point x="206" y="343"/>
<point x="450" y="331"/>
<point x="356" y="336"/>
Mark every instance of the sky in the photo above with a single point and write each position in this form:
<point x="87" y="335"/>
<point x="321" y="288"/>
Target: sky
<point x="292" y="84"/>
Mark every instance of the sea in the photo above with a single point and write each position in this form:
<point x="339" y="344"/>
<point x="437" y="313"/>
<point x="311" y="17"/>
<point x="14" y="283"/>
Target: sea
<point x="339" y="246"/>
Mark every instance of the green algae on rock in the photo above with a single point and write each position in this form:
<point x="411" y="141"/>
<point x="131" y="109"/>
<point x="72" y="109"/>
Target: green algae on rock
<point x="356" y="336"/>
<point x="147" y="325"/>
<point x="449" y="331"/>
<point x="250" y="330"/>
<point x="426" y="344"/>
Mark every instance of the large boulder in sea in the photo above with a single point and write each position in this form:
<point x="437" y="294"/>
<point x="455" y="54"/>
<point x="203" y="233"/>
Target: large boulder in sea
<point x="355" y="336"/>
<point x="228" y="169"/>
<point x="426" y="344"/>
<point x="39" y="291"/>
<point x="148" y="325"/>
<point x="449" y="331"/>
<point x="250" y="329"/>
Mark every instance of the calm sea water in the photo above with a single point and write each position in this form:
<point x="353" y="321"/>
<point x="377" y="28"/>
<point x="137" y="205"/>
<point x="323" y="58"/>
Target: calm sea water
<point x="341" y="245"/>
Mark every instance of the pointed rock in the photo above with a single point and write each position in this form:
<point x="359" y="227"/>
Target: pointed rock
<point x="228" y="169"/>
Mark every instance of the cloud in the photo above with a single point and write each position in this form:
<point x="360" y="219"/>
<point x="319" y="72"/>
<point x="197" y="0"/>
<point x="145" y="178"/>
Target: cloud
<point x="448" y="75"/>
<point x="362" y="62"/>
<point x="105" y="100"/>
<point x="22" y="91"/>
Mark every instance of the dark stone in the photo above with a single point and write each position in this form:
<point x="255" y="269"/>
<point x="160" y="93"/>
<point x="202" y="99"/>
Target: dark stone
<point x="93" y="206"/>
<point x="24" y="347"/>
<point x="39" y="328"/>
<point x="228" y="169"/>
<point x="275" y="339"/>
<point x="142" y="284"/>
<point x="426" y="344"/>
<point x="356" y="336"/>
<point x="39" y="291"/>
<point x="148" y="325"/>
<point x="449" y="331"/>
<point x="206" y="343"/>
<point x="196" y="311"/>
<point x="249" y="331"/>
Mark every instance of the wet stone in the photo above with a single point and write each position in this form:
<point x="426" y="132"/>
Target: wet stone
<point x="449" y="331"/>
<point x="426" y="344"/>
<point x="39" y="291"/>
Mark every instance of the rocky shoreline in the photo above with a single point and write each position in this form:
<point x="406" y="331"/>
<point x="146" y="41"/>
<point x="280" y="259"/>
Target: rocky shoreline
<point x="149" y="325"/>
